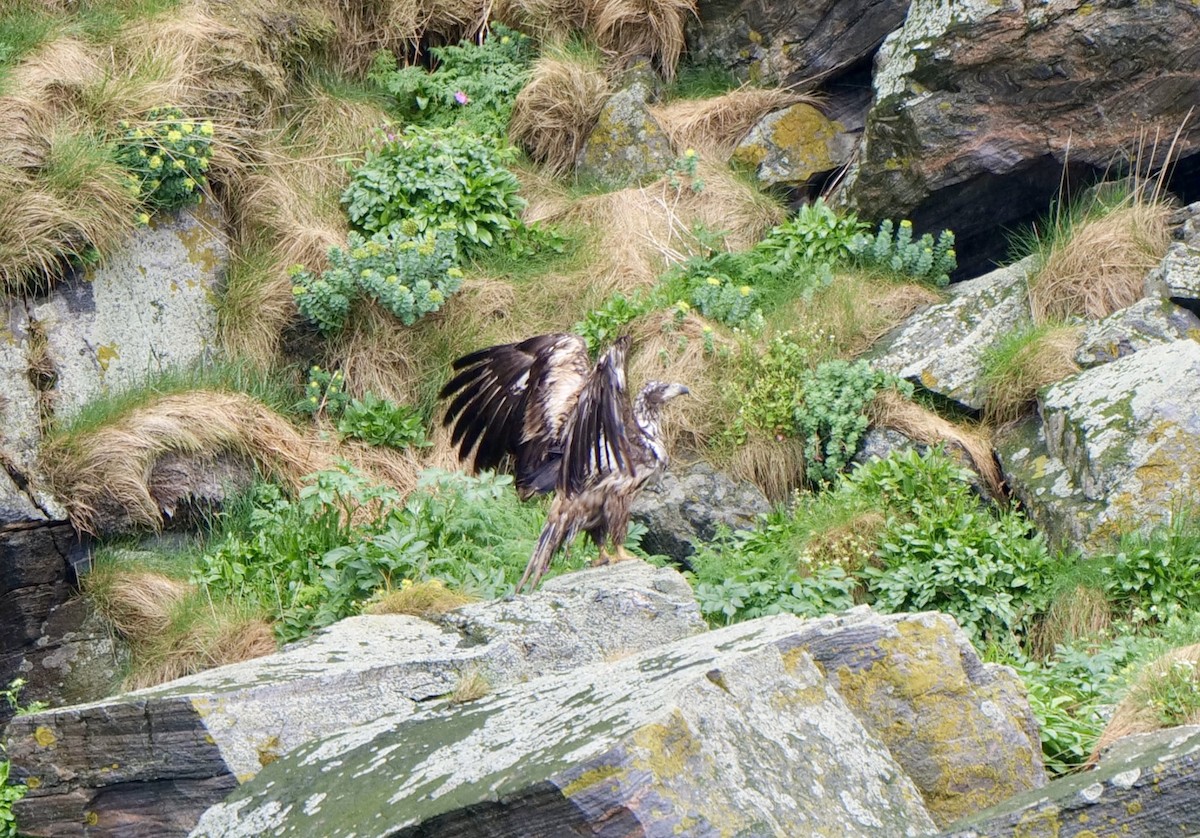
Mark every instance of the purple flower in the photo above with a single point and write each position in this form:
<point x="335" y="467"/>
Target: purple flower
<point x="461" y="97"/>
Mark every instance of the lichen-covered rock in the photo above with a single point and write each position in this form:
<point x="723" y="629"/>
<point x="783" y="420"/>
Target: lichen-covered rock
<point x="789" y="147"/>
<point x="145" y="308"/>
<point x="962" y="730"/>
<point x="1118" y="445"/>
<point x="199" y="736"/>
<point x="1144" y="787"/>
<point x="688" y="504"/>
<point x="1147" y="322"/>
<point x="729" y="733"/>
<point x="790" y="42"/>
<point x="1178" y="275"/>
<point x="983" y="108"/>
<point x="627" y="145"/>
<point x="942" y="347"/>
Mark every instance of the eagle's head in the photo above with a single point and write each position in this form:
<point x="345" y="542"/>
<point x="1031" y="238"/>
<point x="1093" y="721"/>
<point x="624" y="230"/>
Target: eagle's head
<point x="655" y="394"/>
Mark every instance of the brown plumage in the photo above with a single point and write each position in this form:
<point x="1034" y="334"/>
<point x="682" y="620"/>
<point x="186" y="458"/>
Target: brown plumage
<point x="563" y="424"/>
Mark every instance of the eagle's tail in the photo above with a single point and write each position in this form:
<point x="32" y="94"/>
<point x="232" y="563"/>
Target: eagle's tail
<point x="553" y="536"/>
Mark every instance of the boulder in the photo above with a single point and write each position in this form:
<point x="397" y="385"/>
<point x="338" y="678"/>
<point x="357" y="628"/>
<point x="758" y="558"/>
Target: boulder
<point x="1148" y="322"/>
<point x="1145" y="785"/>
<point x="942" y="347"/>
<point x="961" y="729"/>
<point x="110" y="762"/>
<point x="1117" y="445"/>
<point x="733" y="732"/>
<point x="627" y="144"/>
<point x="791" y="146"/>
<point x="789" y="43"/>
<point x="688" y="504"/>
<point x="1177" y="277"/>
<point x="146" y="308"/>
<point x="983" y="109"/>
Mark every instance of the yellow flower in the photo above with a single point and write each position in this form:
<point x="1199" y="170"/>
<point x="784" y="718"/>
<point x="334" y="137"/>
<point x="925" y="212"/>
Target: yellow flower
<point x="142" y="152"/>
<point x="189" y="184"/>
<point x="392" y="278"/>
<point x="455" y="272"/>
<point x="744" y="290"/>
<point x="712" y="280"/>
<point x="178" y="164"/>
<point x="206" y="128"/>
<point x="155" y="162"/>
<point x="312" y="399"/>
<point x="174" y="136"/>
<point x="691" y="152"/>
<point x="191" y="149"/>
<point x="906" y="223"/>
<point x="682" y="306"/>
<point x="187" y="127"/>
<point x="365" y="272"/>
<point x="435" y="296"/>
<point x="405" y="584"/>
<point x="143" y="218"/>
<point x="138" y="133"/>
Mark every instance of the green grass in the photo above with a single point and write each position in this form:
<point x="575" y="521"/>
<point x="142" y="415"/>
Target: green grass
<point x="99" y="21"/>
<point x="701" y="81"/>
<point x="24" y="26"/>
<point x="1022" y="363"/>
<point x="276" y="390"/>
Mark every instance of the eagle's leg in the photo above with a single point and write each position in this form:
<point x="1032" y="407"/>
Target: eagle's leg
<point x="600" y="537"/>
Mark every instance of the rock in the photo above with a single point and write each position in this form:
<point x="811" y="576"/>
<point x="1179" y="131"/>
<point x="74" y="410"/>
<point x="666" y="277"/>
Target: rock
<point x="1177" y="277"/>
<point x="36" y="582"/>
<point x="791" y="146"/>
<point x="788" y="43"/>
<point x="984" y="109"/>
<point x="1146" y="323"/>
<point x="199" y="736"/>
<point x="188" y="487"/>
<point x="942" y="347"/>
<point x="1117" y="446"/>
<point x="627" y="144"/>
<point x="962" y="730"/>
<point x="688" y="503"/>
<point x="1145" y="786"/>
<point x="146" y="308"/>
<point x="732" y="732"/>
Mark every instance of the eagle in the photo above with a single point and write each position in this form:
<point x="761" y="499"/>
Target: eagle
<point x="564" y="425"/>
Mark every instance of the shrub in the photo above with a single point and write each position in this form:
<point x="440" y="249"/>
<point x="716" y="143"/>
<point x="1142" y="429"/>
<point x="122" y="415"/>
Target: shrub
<point x="409" y="277"/>
<point x="433" y="177"/>
<point x="893" y="250"/>
<point x="167" y="155"/>
<point x="474" y="84"/>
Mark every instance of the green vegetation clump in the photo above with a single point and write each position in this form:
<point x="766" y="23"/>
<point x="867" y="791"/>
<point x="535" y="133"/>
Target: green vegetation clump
<point x="437" y="178"/>
<point x="409" y="277"/>
<point x="380" y="422"/>
<point x="167" y="156"/>
<point x="1152" y="578"/>
<point x="893" y="249"/>
<point x="474" y="85"/>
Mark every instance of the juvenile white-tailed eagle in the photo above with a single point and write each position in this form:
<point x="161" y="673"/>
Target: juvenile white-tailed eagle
<point x="568" y="426"/>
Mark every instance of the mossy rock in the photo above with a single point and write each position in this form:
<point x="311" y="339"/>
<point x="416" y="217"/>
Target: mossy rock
<point x="790" y="146"/>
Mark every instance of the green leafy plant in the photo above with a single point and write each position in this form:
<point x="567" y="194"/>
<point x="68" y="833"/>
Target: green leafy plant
<point x="434" y="178"/>
<point x="682" y="173"/>
<point x="603" y="325"/>
<point x="473" y="84"/>
<point x="325" y="392"/>
<point x="769" y="389"/>
<point x="798" y="257"/>
<point x="893" y="249"/>
<point x="832" y="417"/>
<point x="378" y="421"/>
<point x="167" y="155"/>
<point x="409" y="276"/>
<point x="10" y="792"/>
<point x="1152" y="577"/>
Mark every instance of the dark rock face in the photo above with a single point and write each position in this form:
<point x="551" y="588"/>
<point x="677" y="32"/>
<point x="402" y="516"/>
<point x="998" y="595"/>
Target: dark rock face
<point x="980" y="108"/>
<point x="791" y="42"/>
<point x="687" y="505"/>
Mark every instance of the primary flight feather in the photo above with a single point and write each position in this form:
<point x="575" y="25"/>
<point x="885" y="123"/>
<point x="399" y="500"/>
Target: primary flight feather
<point x="565" y="425"/>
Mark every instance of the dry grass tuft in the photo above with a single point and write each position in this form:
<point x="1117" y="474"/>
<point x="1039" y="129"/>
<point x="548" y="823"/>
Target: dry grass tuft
<point x="471" y="686"/>
<point x="891" y="410"/>
<point x="1079" y="612"/>
<point x="102" y="475"/>
<point x="849" y="545"/>
<point x="396" y="468"/>
<point x="1166" y="693"/>
<point x="554" y="113"/>
<point x="377" y="353"/>
<point x="631" y="29"/>
<point x="138" y="603"/>
<point x="774" y="465"/>
<point x="419" y="599"/>
<point x="715" y="126"/>
<point x="1017" y="369"/>
<point x="549" y="21"/>
<point x="1100" y="266"/>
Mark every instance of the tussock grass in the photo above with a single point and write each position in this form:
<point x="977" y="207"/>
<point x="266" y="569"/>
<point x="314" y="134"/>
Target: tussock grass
<point x="1166" y="693"/>
<point x="554" y="113"/>
<point x="172" y="630"/>
<point x="549" y="21"/>
<point x="471" y="686"/>
<point x="256" y="306"/>
<point x="774" y="465"/>
<point x="891" y="410"/>
<point x="849" y="543"/>
<point x="103" y="474"/>
<point x="716" y="125"/>
<point x="1021" y="364"/>
<point x="1094" y="262"/>
<point x="419" y="599"/>
<point x="378" y="354"/>
<point x="629" y="29"/>
<point x="1078" y="612"/>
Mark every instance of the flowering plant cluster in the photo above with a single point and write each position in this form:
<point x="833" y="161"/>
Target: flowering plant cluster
<point x="410" y="275"/>
<point x="166" y="155"/>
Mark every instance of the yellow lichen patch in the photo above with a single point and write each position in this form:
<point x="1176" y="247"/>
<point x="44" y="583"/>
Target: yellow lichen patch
<point x="106" y="354"/>
<point x="45" y="737"/>
<point x="268" y="751"/>
<point x="667" y="748"/>
<point x="590" y="778"/>
<point x="928" y="380"/>
<point x="197" y="239"/>
<point x="33" y="782"/>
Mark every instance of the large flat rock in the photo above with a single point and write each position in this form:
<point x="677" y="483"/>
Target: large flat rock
<point x="734" y="732"/>
<point x="199" y="736"/>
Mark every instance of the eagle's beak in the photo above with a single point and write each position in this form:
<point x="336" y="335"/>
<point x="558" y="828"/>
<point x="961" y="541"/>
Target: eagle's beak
<point x="680" y="390"/>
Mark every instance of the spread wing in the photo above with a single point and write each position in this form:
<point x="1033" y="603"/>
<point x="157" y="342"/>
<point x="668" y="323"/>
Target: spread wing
<point x="596" y="442"/>
<point x="517" y="400"/>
